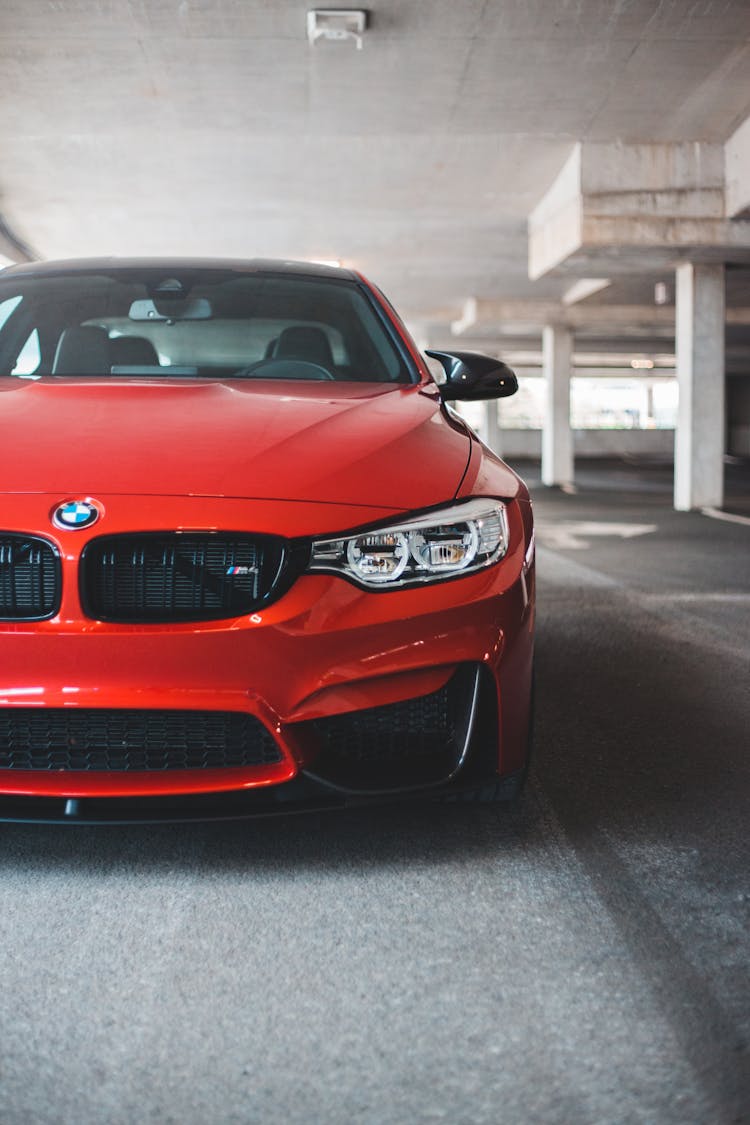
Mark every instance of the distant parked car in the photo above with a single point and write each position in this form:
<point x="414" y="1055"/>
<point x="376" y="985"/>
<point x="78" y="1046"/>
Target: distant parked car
<point x="250" y="560"/>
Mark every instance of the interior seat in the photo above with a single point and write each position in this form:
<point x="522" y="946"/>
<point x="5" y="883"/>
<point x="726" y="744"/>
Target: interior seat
<point x="132" y="351"/>
<point x="83" y="350"/>
<point x="305" y="342"/>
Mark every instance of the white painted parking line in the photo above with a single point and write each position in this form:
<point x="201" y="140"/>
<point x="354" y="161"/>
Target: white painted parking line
<point x="728" y="517"/>
<point x="575" y="535"/>
<point x="726" y="598"/>
<point x="558" y="570"/>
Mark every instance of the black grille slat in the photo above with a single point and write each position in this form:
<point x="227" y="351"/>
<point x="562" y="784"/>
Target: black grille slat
<point x="172" y="576"/>
<point x="131" y="740"/>
<point x="30" y="584"/>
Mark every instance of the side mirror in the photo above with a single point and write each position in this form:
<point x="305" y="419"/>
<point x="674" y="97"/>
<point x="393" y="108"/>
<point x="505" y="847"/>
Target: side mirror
<point x="471" y="376"/>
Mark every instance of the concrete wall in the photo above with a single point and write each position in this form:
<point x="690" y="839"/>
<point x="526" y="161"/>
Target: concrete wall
<point x="594" y="443"/>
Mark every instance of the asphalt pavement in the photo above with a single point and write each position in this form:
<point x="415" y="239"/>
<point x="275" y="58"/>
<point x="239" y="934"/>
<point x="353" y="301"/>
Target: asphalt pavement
<point x="582" y="956"/>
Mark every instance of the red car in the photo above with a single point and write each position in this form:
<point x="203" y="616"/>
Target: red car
<point x="250" y="560"/>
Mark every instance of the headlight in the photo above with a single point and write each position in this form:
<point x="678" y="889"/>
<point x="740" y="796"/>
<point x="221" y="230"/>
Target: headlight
<point x="438" y="545"/>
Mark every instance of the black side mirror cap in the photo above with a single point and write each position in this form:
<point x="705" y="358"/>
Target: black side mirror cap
<point x="471" y="376"/>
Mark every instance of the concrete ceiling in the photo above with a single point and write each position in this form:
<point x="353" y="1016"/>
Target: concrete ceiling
<point x="213" y="127"/>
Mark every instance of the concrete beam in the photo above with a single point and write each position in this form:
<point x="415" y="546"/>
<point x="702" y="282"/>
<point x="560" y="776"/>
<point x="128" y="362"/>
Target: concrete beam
<point x="510" y="317"/>
<point x="612" y="202"/>
<point x="556" y="223"/>
<point x="737" y="172"/>
<point x="583" y="288"/>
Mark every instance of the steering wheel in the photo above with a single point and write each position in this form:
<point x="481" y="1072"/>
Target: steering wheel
<point x="284" y="368"/>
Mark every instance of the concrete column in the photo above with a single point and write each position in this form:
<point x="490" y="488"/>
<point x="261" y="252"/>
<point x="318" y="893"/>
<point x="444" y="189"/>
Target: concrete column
<point x="557" y="438"/>
<point x="492" y="424"/>
<point x="699" y="440"/>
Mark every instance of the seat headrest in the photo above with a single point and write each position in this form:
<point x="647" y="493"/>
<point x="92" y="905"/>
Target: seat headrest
<point x="82" y="351"/>
<point x="303" y="341"/>
<point x="133" y="351"/>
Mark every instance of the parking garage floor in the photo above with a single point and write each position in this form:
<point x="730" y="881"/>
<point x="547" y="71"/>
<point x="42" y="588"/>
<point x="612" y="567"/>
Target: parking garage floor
<point x="582" y="956"/>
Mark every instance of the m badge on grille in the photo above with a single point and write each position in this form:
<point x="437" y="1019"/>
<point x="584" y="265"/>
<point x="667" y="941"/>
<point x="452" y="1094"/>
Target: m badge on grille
<point x="240" y="571"/>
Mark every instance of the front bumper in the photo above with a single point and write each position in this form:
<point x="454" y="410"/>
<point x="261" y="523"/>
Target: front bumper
<point x="324" y="651"/>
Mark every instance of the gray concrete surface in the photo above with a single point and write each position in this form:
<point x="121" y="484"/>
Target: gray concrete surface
<point x="579" y="958"/>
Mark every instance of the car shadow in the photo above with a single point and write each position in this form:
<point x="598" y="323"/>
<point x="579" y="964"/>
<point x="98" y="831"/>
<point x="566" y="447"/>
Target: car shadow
<point x="356" y="839"/>
<point x="635" y="731"/>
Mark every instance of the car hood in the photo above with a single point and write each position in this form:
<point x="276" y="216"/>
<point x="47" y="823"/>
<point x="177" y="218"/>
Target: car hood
<point x="377" y="445"/>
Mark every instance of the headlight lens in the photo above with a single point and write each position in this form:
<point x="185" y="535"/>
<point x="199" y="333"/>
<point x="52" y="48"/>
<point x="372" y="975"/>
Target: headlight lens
<point x="438" y="545"/>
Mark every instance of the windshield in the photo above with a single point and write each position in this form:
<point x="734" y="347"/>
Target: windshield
<point x="188" y="323"/>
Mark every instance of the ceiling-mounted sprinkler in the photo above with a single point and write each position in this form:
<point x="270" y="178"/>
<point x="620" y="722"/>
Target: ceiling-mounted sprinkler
<point x="337" y="23"/>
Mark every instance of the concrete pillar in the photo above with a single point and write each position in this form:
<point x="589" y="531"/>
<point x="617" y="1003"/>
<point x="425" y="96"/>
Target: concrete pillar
<point x="699" y="345"/>
<point x="557" y="438"/>
<point x="492" y="426"/>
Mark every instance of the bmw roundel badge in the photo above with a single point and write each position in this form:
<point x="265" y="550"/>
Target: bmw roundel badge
<point x="75" y="515"/>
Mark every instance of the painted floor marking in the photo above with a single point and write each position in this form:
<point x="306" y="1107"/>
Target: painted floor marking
<point x="725" y="598"/>
<point x="728" y="517"/>
<point x="576" y="535"/>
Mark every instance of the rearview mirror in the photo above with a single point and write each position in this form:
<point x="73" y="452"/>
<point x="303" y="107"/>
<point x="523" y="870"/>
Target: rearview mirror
<point x="471" y="376"/>
<point x="188" y="308"/>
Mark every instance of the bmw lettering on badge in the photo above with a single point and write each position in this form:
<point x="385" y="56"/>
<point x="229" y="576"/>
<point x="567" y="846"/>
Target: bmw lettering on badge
<point x="75" y="515"/>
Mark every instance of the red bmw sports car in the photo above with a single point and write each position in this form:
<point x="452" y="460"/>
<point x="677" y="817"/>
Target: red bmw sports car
<point x="250" y="560"/>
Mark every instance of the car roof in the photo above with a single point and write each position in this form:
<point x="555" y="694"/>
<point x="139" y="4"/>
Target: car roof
<point x="251" y="265"/>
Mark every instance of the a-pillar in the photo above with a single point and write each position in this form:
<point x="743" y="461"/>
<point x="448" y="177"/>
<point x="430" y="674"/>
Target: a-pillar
<point x="699" y="440"/>
<point x="557" y="438"/>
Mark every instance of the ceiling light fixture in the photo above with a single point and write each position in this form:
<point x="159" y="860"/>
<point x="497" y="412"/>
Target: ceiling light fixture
<point x="337" y="24"/>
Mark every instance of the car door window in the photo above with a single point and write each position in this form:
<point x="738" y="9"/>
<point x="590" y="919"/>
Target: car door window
<point x="29" y="357"/>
